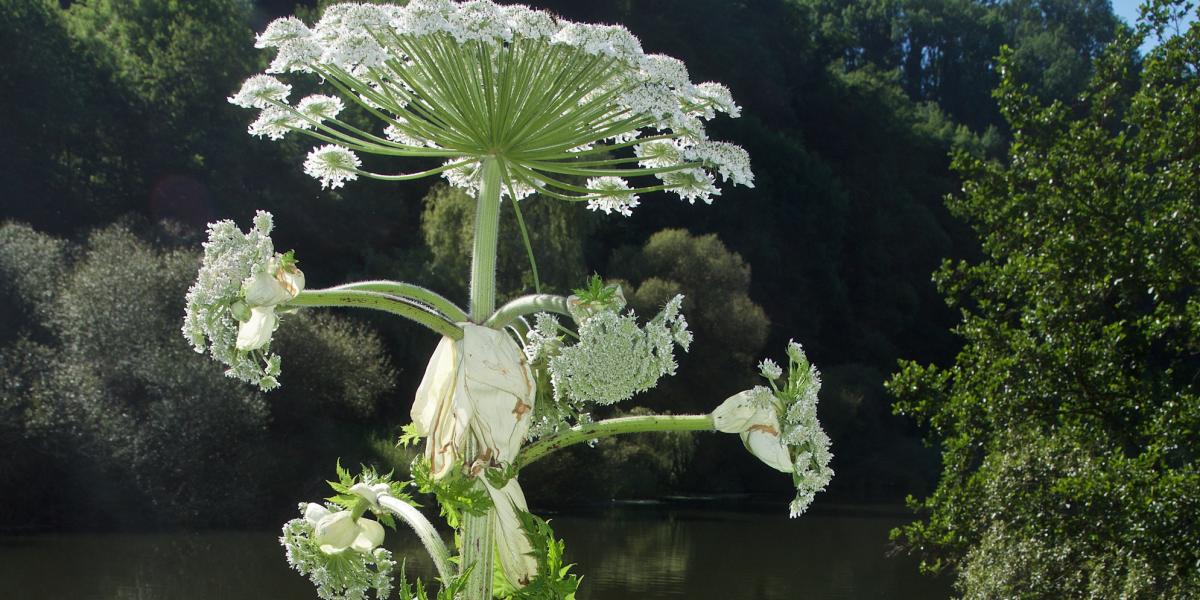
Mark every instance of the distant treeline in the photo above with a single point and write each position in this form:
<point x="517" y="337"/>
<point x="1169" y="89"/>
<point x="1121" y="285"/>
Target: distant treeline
<point x="119" y="146"/>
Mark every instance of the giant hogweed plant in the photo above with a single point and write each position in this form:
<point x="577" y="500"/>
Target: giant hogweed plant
<point x="503" y="102"/>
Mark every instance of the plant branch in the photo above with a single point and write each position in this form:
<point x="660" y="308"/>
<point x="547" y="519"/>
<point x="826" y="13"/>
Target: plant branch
<point x="609" y="428"/>
<point x="425" y="531"/>
<point x="412" y="292"/>
<point x="377" y="301"/>
<point x="526" y="305"/>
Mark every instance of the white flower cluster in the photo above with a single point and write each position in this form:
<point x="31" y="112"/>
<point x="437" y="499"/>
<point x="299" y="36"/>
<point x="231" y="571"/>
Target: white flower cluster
<point x="615" y="357"/>
<point x="612" y="196"/>
<point x="420" y="68"/>
<point x="802" y="432"/>
<point x="779" y="425"/>
<point x="345" y="572"/>
<point x="332" y="165"/>
<point x="231" y="306"/>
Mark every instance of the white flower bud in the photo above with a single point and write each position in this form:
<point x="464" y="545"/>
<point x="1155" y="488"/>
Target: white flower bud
<point x="273" y="285"/>
<point x="370" y="536"/>
<point x="256" y="332"/>
<point x="752" y="415"/>
<point x="336" y="532"/>
<point x="370" y="493"/>
<point x="262" y="289"/>
<point x="435" y="413"/>
<point x="763" y="440"/>
<point x="313" y="513"/>
<point x="740" y="411"/>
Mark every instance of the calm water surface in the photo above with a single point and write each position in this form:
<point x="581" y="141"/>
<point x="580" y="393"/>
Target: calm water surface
<point x="630" y="551"/>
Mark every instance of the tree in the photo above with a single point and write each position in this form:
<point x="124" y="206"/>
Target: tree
<point x="557" y="232"/>
<point x="944" y="50"/>
<point x="111" y="418"/>
<point x="730" y="329"/>
<point x="59" y="159"/>
<point x="1068" y="422"/>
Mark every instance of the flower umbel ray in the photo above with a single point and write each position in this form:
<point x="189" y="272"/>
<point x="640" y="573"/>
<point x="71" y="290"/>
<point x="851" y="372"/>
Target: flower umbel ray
<point x="553" y="102"/>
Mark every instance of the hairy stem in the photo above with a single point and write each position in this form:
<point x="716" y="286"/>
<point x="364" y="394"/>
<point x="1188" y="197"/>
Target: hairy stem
<point x="425" y="531"/>
<point x="526" y="305"/>
<point x="478" y="535"/>
<point x="412" y="292"/>
<point x="377" y="301"/>
<point x="609" y="428"/>
<point x="487" y="235"/>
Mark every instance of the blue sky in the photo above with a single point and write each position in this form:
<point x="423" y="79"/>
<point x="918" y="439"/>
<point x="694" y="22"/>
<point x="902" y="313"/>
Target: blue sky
<point x="1128" y="10"/>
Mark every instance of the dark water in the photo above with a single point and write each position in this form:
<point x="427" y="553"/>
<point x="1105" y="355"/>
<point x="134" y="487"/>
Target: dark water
<point x="632" y="551"/>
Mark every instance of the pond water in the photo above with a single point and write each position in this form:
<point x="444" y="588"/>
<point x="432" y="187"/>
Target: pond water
<point x="672" y="550"/>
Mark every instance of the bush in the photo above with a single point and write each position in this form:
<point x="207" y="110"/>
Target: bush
<point x="128" y="424"/>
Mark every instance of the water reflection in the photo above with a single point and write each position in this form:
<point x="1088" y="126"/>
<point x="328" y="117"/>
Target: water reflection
<point x="656" y="551"/>
<point x="672" y="552"/>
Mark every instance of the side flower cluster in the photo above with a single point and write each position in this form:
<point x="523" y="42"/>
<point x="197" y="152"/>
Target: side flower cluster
<point x="339" y="552"/>
<point x="615" y="357"/>
<point x="778" y="424"/>
<point x="231" y="306"/>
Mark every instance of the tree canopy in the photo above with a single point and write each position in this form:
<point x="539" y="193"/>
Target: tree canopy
<point x="1068" y="422"/>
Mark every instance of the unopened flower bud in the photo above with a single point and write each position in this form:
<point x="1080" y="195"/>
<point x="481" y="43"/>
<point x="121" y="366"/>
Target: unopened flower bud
<point x="336" y="531"/>
<point x="279" y="282"/>
<point x="752" y="415"/>
<point x="256" y="332"/>
<point x="370" y="536"/>
<point x="370" y="493"/>
<point x="240" y="310"/>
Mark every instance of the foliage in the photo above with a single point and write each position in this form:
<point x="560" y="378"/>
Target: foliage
<point x="729" y="328"/>
<point x="456" y="494"/>
<point x="98" y="381"/>
<point x="557" y="232"/>
<point x="554" y="580"/>
<point x="944" y="51"/>
<point x="1068" y="421"/>
<point x="65" y="123"/>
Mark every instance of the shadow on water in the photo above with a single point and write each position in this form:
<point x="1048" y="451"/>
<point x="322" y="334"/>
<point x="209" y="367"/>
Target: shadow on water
<point x="675" y="550"/>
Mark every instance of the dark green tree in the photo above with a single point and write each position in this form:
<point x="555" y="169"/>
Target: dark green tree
<point x="1068" y="422"/>
<point x="109" y="417"/>
<point x="557" y="233"/>
<point x="65" y="125"/>
<point x="944" y="50"/>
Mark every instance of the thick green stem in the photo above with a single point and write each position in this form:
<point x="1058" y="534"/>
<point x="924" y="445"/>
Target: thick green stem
<point x="377" y="301"/>
<point x="478" y="536"/>
<point x="487" y="235"/>
<point x="611" y="427"/>
<point x="526" y="305"/>
<point x="412" y="292"/>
